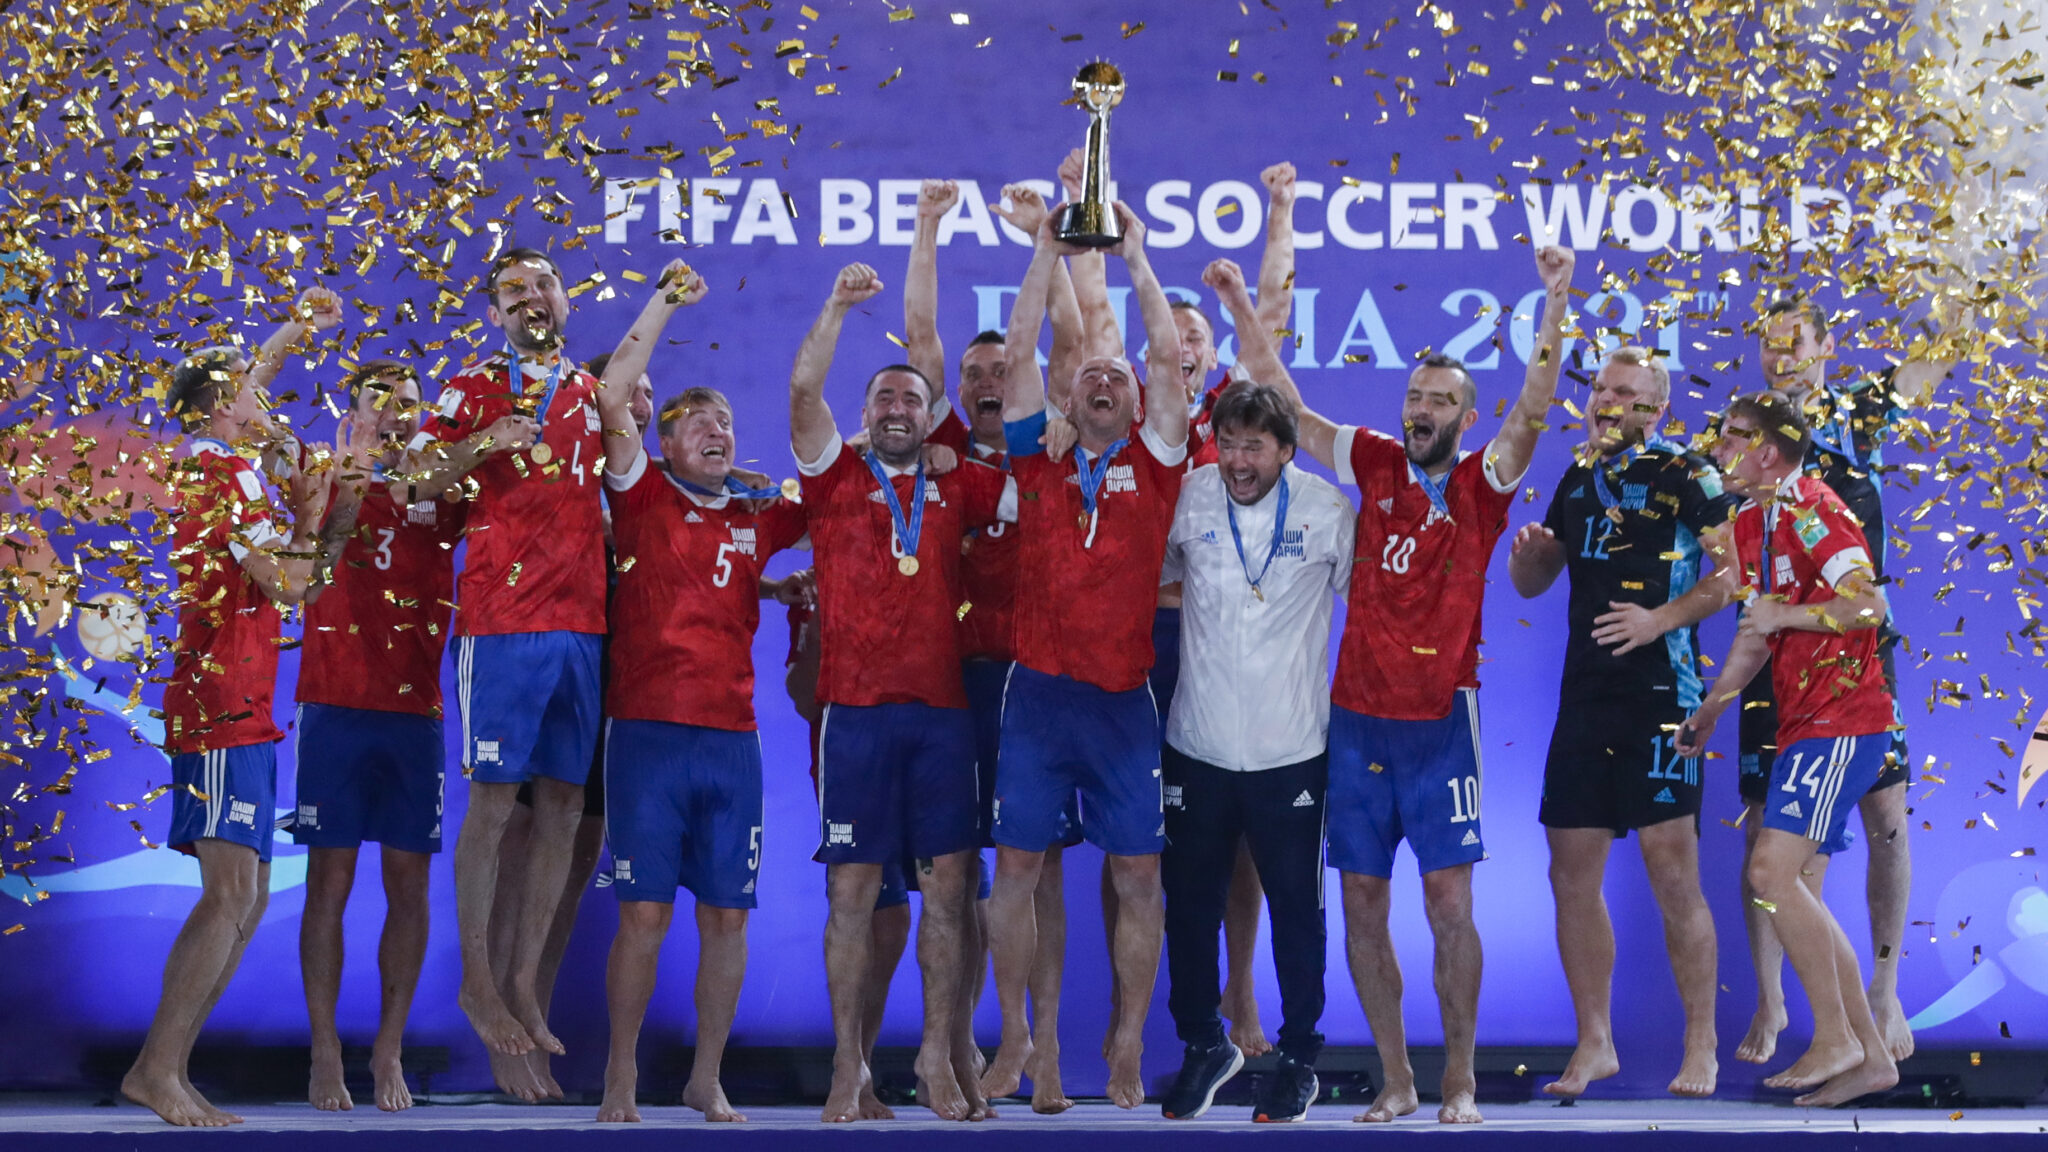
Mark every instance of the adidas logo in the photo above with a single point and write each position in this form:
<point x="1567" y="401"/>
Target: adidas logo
<point x="1792" y="810"/>
<point x="1470" y="839"/>
<point x="1665" y="797"/>
<point x="1386" y="505"/>
<point x="749" y="889"/>
<point x="693" y="518"/>
<point x="1304" y="800"/>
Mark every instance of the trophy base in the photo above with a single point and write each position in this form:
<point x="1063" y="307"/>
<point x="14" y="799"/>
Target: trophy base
<point x="1085" y="226"/>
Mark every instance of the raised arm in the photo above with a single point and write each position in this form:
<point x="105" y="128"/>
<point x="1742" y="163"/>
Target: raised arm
<point x="317" y="310"/>
<point x="678" y="286"/>
<point x="1166" y="408"/>
<point x="1262" y="360"/>
<point x="1515" y="443"/>
<point x="1090" y="276"/>
<point x="1023" y="383"/>
<point x="926" y="353"/>
<point x="324" y="499"/>
<point x="810" y="420"/>
<point x="1276" y="266"/>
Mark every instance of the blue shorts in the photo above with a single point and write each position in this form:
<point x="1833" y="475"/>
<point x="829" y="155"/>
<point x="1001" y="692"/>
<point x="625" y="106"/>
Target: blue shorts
<point x="1061" y="735"/>
<point x="531" y="705"/>
<point x="899" y="880"/>
<point x="367" y="775"/>
<point x="236" y="800"/>
<point x="1416" y="780"/>
<point x="683" y="810"/>
<point x="895" y="781"/>
<point x="1816" y="782"/>
<point x="984" y="680"/>
<point x="1165" y="674"/>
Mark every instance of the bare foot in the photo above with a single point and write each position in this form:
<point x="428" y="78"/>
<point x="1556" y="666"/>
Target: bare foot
<point x="619" y="1105"/>
<point x="843" y="1105"/>
<point x="540" y="1065"/>
<point x="967" y="1069"/>
<point x="1048" y="1098"/>
<point x="514" y="1077"/>
<point x="205" y="1105"/>
<point x="1393" y="1101"/>
<point x="1762" y="1042"/>
<point x="1459" y="1108"/>
<point x="710" y="1100"/>
<point x="1245" y="1029"/>
<point x="527" y="1012"/>
<point x="1891" y="1024"/>
<point x="389" y="1077"/>
<point x="496" y="1027"/>
<point x="1007" y="1072"/>
<point x="1126" y="1078"/>
<point x="871" y="1106"/>
<point x="1697" y="1073"/>
<point x="168" y="1099"/>
<point x="1587" y="1065"/>
<point x="938" y="1087"/>
<point x="1874" y="1075"/>
<point x="326" y="1087"/>
<point x="1820" y="1064"/>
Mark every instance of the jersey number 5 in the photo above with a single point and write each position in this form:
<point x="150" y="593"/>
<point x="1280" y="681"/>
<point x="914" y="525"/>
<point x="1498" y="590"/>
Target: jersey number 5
<point x="1394" y="557"/>
<point x="724" y="565"/>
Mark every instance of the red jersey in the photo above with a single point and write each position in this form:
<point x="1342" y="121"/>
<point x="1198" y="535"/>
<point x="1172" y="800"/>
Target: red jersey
<point x="224" y="661"/>
<point x="1411" y="626"/>
<point x="374" y="638"/>
<point x="1827" y="684"/>
<point x="988" y="559"/>
<point x="535" y="531"/>
<point x="1092" y="602"/>
<point x="689" y="598"/>
<point x="888" y="638"/>
<point x="1202" y="426"/>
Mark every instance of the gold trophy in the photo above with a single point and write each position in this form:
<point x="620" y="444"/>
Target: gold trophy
<point x="1091" y="221"/>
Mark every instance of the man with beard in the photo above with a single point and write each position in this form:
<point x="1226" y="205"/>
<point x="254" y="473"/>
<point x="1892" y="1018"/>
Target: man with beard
<point x="1845" y="451"/>
<point x="1815" y="608"/>
<point x="239" y="552"/>
<point x="682" y="757"/>
<point x="1404" y="732"/>
<point x="1631" y="521"/>
<point x="368" y="740"/>
<point x="1263" y="548"/>
<point x="896" y="744"/>
<point x="520" y="432"/>
<point x="1077" y="713"/>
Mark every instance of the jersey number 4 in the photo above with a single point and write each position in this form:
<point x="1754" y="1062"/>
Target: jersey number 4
<point x="1395" y="556"/>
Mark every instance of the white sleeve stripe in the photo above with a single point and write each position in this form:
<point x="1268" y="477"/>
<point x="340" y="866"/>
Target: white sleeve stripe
<point x="1006" y="506"/>
<point x="825" y="460"/>
<point x="1838" y="567"/>
<point x="619" y="482"/>
<point x="1487" y="456"/>
<point x="1171" y="455"/>
<point x="1347" y="437"/>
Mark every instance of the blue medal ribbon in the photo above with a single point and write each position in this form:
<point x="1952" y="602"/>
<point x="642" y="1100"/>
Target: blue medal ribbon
<point x="910" y="529"/>
<point x="1619" y="464"/>
<point x="1434" y="489"/>
<point x="547" y="398"/>
<point x="1279" y="534"/>
<point x="734" y="489"/>
<point x="1835" y="437"/>
<point x="1091" y="479"/>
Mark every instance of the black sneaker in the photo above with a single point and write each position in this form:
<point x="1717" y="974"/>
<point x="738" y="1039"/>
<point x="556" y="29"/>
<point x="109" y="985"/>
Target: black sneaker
<point x="1284" y="1097"/>
<point x="1202" y="1072"/>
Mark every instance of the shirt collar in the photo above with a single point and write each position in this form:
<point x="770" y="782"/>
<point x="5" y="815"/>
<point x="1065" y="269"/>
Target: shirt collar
<point x="1788" y="488"/>
<point x="208" y="446"/>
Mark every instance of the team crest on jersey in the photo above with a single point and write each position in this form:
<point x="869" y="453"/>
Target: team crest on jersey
<point x="1811" y="530"/>
<point x="743" y="540"/>
<point x="1292" y="543"/>
<point x="1122" y="478"/>
<point x="590" y="419"/>
<point x="1634" y="496"/>
<point x="423" y="513"/>
<point x="1781" y="570"/>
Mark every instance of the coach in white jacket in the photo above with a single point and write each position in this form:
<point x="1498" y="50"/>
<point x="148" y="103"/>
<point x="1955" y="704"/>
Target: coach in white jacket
<point x="1263" y="550"/>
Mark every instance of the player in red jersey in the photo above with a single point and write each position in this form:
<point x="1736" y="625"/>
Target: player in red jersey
<point x="682" y="755"/>
<point x="368" y="741"/>
<point x="1814" y="612"/>
<point x="1077" y="712"/>
<point x="896" y="748"/>
<point x="239" y="551"/>
<point x="1404" y="729"/>
<point x="520" y="431"/>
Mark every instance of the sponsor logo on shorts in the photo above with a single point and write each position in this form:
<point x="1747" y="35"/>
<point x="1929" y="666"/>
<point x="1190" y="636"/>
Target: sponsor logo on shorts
<point x="1665" y="797"/>
<point x="309" y="817"/>
<point x="241" y="812"/>
<point x="622" y="871"/>
<point x="1470" y="839"/>
<point x="1304" y="800"/>
<point x="487" y="751"/>
<point x="1792" y="810"/>
<point x="839" y="834"/>
<point x="1172" y="795"/>
<point x="995" y="810"/>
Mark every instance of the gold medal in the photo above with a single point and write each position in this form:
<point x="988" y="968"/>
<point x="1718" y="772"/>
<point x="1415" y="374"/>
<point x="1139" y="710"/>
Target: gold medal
<point x="1081" y="521"/>
<point x="907" y="565"/>
<point x="541" y="453"/>
<point x="790" y="488"/>
<point x="1259" y="594"/>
